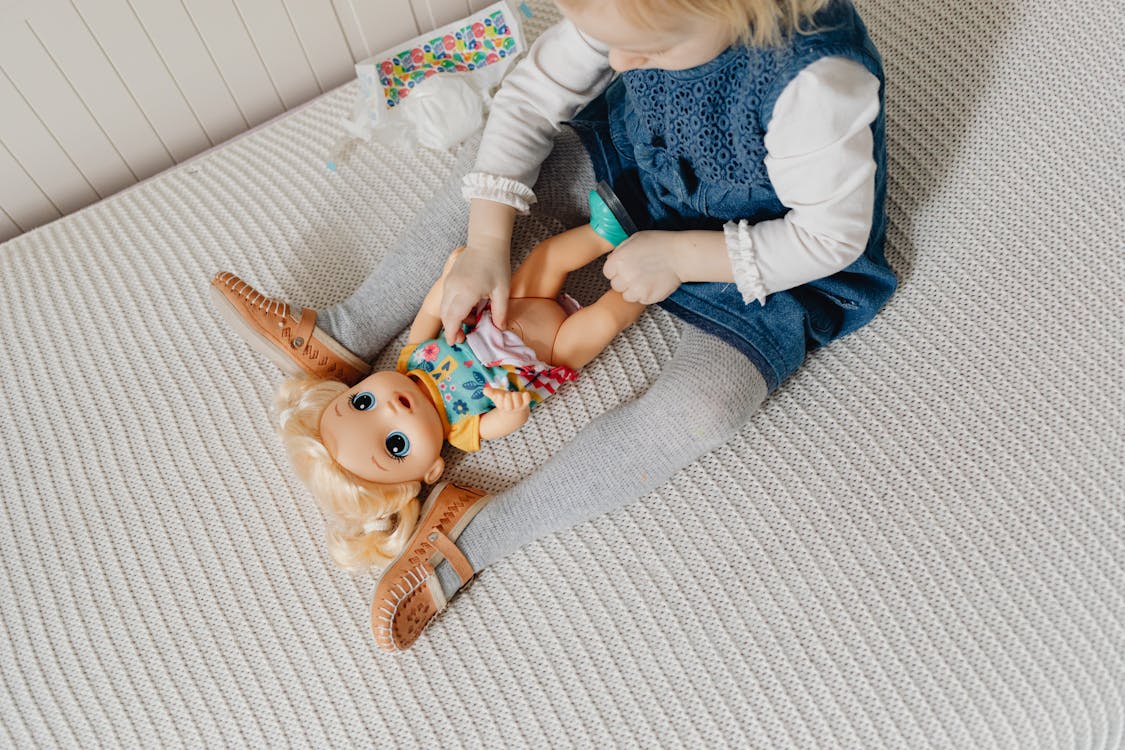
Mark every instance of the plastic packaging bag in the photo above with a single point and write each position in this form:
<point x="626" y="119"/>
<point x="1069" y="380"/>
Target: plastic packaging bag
<point x="433" y="90"/>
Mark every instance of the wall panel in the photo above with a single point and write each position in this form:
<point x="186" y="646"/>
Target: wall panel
<point x="189" y="62"/>
<point x="349" y="22"/>
<point x="7" y="226"/>
<point x="434" y="13"/>
<point x="226" y="37"/>
<point x="382" y="24"/>
<point x="37" y="152"/>
<point x="323" y="41"/>
<point x="129" y="49"/>
<point x="98" y="94"/>
<point x="104" y="93"/>
<point x="22" y="201"/>
<point x="277" y="44"/>
<point x="60" y="110"/>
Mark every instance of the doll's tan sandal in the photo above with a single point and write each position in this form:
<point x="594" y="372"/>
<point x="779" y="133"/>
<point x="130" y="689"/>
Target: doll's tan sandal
<point x="408" y="596"/>
<point x="289" y="339"/>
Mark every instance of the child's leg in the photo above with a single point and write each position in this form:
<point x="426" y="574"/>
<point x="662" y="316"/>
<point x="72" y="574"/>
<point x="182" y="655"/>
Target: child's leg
<point x="704" y="395"/>
<point x="389" y="298"/>
<point x="387" y="301"/>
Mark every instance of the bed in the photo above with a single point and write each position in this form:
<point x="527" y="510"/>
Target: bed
<point x="918" y="542"/>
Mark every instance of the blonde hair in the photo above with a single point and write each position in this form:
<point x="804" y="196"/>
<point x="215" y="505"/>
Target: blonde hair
<point x="368" y="523"/>
<point x="760" y="23"/>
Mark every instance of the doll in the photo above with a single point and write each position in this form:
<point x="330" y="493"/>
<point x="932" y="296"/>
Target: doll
<point x="364" y="451"/>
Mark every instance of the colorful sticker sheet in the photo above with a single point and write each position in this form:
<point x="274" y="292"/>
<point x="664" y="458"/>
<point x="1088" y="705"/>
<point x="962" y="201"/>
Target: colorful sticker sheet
<point x="486" y="39"/>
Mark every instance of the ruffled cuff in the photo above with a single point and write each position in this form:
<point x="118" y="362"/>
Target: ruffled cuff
<point x="744" y="262"/>
<point x="500" y="189"/>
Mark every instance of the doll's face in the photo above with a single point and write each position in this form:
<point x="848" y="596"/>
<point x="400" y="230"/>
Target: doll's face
<point x="385" y="430"/>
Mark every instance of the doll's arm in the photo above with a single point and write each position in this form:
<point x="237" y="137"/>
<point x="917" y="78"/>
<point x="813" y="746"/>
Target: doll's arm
<point x="427" y="323"/>
<point x="512" y="410"/>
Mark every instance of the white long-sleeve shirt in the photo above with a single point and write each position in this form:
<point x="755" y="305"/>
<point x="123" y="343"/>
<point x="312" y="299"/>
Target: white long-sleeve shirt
<point x="818" y="142"/>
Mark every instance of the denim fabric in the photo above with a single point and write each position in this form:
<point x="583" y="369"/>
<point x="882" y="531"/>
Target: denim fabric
<point x="685" y="150"/>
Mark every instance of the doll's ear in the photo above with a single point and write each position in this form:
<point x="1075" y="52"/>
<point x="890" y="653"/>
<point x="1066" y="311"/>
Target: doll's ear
<point x="435" y="471"/>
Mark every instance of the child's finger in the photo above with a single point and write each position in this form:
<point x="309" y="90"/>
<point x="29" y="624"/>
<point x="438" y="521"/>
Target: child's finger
<point x="446" y="317"/>
<point x="609" y="268"/>
<point x="453" y="311"/>
<point x="499" y="299"/>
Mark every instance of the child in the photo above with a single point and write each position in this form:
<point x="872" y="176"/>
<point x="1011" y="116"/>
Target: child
<point x="745" y="138"/>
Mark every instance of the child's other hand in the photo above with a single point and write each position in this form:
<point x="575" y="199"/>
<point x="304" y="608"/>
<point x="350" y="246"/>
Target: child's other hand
<point x="476" y="274"/>
<point x="643" y="268"/>
<point x="508" y="400"/>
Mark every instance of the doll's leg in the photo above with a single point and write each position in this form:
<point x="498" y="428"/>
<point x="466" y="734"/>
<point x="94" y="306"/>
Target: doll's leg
<point x="583" y="335"/>
<point x="387" y="301"/>
<point x="704" y="395"/>
<point x="587" y="332"/>
<point x="544" y="271"/>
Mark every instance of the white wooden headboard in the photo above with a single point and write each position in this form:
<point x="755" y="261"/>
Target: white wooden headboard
<point x="98" y="94"/>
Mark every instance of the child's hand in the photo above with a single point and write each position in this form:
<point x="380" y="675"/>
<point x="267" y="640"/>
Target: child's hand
<point x="476" y="274"/>
<point x="482" y="270"/>
<point x="508" y="400"/>
<point x="644" y="268"/>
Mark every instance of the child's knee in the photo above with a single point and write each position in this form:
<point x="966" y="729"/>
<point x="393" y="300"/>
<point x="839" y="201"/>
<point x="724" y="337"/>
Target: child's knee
<point x="680" y="427"/>
<point x="709" y="408"/>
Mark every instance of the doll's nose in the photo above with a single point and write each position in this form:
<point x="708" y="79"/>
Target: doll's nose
<point x="401" y="402"/>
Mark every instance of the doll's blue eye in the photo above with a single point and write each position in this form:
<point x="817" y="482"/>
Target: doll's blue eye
<point x="363" y="401"/>
<point x="398" y="445"/>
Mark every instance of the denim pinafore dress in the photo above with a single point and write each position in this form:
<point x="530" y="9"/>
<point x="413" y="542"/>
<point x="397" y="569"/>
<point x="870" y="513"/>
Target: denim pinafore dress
<point x="685" y="150"/>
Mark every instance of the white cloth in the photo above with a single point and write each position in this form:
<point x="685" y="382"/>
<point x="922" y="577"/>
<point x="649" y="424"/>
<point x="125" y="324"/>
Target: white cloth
<point x="492" y="346"/>
<point x="818" y="142"/>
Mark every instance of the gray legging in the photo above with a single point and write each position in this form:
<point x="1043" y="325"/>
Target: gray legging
<point x="703" y="395"/>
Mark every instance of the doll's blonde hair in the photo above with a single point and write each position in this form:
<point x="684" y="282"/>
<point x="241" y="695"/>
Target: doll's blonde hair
<point x="761" y="22"/>
<point x="368" y="523"/>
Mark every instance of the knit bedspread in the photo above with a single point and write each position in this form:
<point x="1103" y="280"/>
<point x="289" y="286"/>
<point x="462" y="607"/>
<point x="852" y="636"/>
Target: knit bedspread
<point x="919" y="541"/>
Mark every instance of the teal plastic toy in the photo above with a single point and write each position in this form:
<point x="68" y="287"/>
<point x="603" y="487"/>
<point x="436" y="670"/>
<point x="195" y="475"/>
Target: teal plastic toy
<point x="608" y="217"/>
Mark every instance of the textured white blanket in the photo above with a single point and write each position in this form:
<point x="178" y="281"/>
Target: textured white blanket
<point x="919" y="542"/>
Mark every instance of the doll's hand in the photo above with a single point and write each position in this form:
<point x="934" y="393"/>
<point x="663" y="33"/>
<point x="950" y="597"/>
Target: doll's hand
<point x="643" y="268"/>
<point x="476" y="274"/>
<point x="512" y="410"/>
<point x="508" y="400"/>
